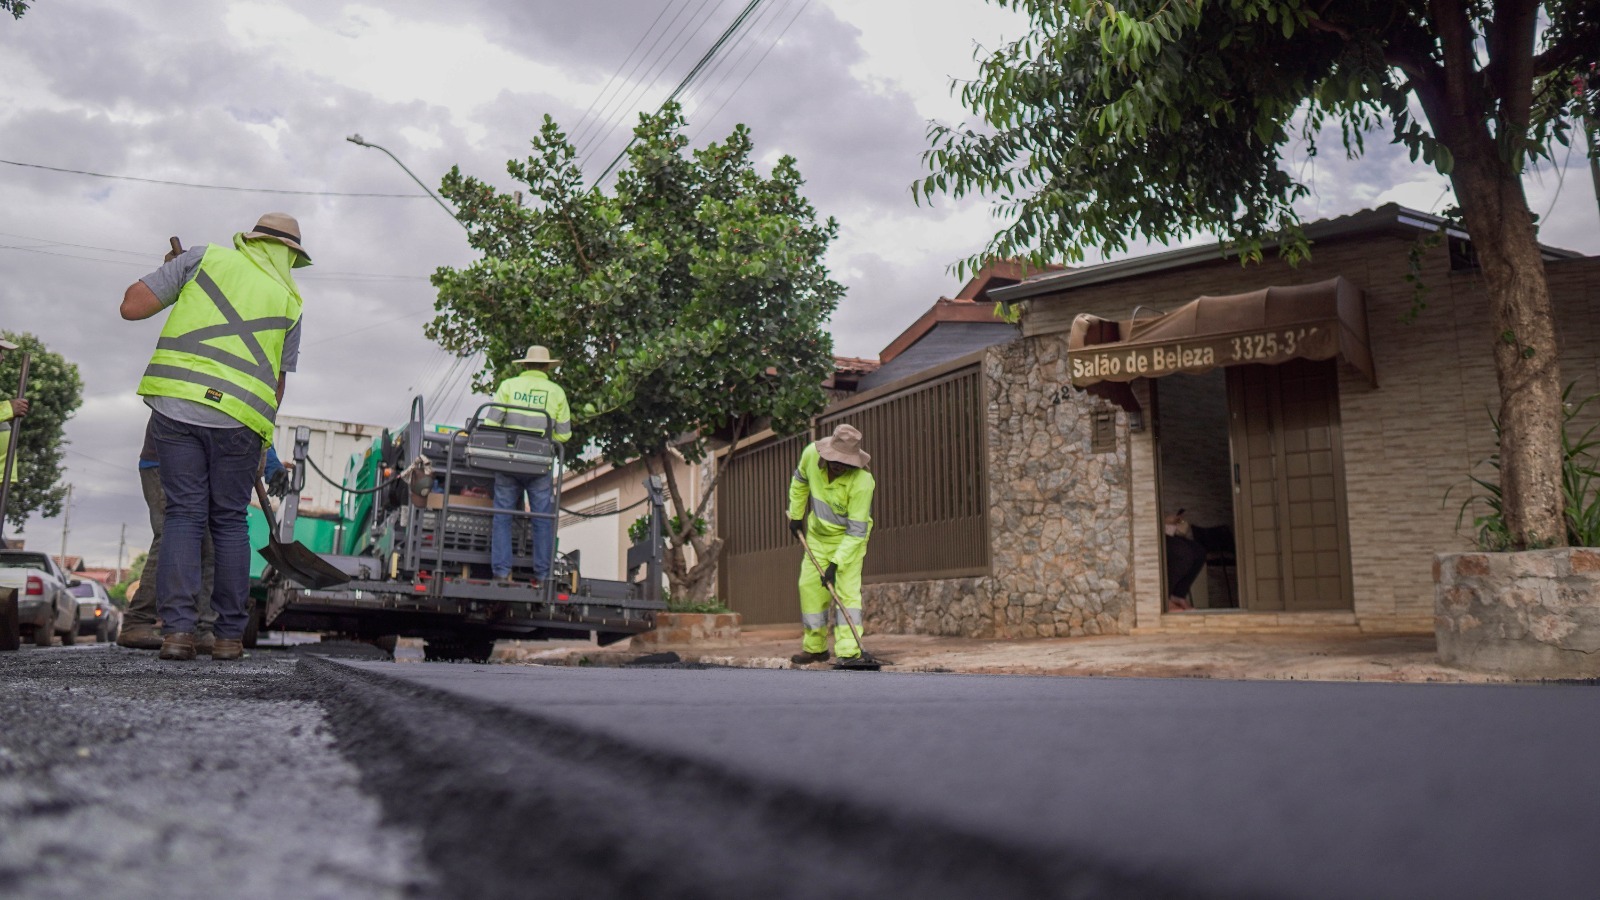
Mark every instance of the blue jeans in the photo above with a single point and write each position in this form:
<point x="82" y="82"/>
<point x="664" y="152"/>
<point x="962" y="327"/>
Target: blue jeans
<point x="206" y="474"/>
<point x="508" y="492"/>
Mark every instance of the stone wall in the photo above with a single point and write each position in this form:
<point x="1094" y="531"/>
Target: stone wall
<point x="1058" y="524"/>
<point x="1533" y="614"/>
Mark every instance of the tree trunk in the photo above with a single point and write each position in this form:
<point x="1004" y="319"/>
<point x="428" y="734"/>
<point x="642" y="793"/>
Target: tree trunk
<point x="1527" y="365"/>
<point x="687" y="582"/>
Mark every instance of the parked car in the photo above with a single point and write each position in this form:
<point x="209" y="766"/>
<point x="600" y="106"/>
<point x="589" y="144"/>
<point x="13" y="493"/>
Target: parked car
<point x="46" y="607"/>
<point x="97" y="615"/>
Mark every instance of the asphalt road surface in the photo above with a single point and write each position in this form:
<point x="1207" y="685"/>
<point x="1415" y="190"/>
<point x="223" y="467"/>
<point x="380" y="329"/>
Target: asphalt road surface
<point x="378" y="779"/>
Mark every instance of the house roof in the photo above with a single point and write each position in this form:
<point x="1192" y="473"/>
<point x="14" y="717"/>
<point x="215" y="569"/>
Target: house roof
<point x="972" y="303"/>
<point x="1386" y="217"/>
<point x="68" y="563"/>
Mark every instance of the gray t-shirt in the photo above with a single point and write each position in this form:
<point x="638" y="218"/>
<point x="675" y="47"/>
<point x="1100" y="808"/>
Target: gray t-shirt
<point x="166" y="282"/>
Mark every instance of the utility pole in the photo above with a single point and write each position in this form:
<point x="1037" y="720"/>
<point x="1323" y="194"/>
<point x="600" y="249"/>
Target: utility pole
<point x="122" y="545"/>
<point x="66" y="519"/>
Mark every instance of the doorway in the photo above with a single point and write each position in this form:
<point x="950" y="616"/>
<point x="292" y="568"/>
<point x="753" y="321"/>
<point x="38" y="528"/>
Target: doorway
<point x="1196" y="489"/>
<point x="1288" y="484"/>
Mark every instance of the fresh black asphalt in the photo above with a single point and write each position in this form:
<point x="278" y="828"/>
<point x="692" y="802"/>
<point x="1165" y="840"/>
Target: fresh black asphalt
<point x="302" y="776"/>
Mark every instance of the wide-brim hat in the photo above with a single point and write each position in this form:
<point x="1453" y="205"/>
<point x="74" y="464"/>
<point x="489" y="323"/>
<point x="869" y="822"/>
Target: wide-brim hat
<point x="538" y="356"/>
<point x="283" y="228"/>
<point x="844" y="447"/>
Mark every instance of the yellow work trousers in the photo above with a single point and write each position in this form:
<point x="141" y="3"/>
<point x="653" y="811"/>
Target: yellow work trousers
<point x="816" y="607"/>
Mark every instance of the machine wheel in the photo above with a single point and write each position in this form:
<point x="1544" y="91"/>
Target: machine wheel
<point x="70" y="636"/>
<point x="479" y="649"/>
<point x="44" y="635"/>
<point x="10" y="629"/>
<point x="450" y="649"/>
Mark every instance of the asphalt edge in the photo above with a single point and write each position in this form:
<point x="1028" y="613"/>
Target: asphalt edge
<point x="559" y="810"/>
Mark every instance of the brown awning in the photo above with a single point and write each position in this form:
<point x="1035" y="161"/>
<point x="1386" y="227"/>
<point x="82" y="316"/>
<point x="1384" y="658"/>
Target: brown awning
<point x="1275" y="325"/>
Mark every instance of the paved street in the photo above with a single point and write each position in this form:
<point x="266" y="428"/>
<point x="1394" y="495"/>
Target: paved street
<point x="291" y="775"/>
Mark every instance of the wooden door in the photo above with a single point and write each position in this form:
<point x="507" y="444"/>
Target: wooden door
<point x="1292" y="529"/>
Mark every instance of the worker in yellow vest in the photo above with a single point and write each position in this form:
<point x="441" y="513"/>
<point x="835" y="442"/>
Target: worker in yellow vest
<point x="832" y="484"/>
<point x="545" y="412"/>
<point x="9" y="409"/>
<point x="213" y="388"/>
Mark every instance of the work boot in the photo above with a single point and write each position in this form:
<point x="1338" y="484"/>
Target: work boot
<point x="228" y="649"/>
<point x="140" y="637"/>
<point x="805" y="658"/>
<point x="203" y="642"/>
<point x="178" y="645"/>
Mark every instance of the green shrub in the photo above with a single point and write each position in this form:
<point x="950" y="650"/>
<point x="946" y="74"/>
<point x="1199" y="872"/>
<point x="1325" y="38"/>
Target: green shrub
<point x="1580" y="485"/>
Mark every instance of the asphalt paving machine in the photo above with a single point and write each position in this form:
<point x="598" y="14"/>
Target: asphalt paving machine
<point x="415" y="545"/>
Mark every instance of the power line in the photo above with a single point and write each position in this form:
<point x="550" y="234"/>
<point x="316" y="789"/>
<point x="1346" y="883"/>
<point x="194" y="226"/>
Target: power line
<point x="704" y="59"/>
<point x="675" y="47"/>
<point x="614" y="75"/>
<point x="147" y="255"/>
<point x="604" y="116"/>
<point x="699" y="94"/>
<point x="706" y="123"/>
<point x="213" y="187"/>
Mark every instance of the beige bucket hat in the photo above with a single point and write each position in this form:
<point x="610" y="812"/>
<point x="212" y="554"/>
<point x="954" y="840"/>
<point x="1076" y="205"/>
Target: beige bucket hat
<point x="844" y="447"/>
<point x="538" y="356"/>
<point x="283" y="228"/>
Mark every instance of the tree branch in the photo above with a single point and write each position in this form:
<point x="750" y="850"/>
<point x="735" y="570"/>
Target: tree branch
<point x="1511" y="61"/>
<point x="1450" y="20"/>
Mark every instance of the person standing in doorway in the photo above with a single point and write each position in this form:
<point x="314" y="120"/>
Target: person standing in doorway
<point x="832" y="483"/>
<point x="545" y="412"/>
<point x="214" y="386"/>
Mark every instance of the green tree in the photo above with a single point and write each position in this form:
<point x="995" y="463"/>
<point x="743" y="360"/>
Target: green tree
<point x="690" y="298"/>
<point x="1166" y="118"/>
<point x="15" y="7"/>
<point x="54" y="393"/>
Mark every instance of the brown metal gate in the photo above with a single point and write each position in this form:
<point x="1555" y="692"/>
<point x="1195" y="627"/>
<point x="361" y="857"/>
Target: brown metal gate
<point x="930" y="509"/>
<point x="760" y="569"/>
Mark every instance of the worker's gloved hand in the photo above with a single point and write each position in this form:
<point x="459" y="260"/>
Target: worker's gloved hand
<point x="829" y="574"/>
<point x="19" y="407"/>
<point x="278" y="482"/>
<point x="797" y="526"/>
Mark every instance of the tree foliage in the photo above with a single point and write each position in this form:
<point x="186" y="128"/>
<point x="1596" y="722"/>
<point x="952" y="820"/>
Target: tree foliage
<point x="54" y="393"/>
<point x="15" y="7"/>
<point x="691" y="296"/>
<point x="1161" y="119"/>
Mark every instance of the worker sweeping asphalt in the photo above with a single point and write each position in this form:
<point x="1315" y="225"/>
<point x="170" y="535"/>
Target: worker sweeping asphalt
<point x="832" y="483"/>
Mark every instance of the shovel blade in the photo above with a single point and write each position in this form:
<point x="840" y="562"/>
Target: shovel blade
<point x="301" y="564"/>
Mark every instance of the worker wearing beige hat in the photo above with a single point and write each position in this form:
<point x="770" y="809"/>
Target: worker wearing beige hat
<point x="213" y="387"/>
<point x="532" y="403"/>
<point x="833" y="484"/>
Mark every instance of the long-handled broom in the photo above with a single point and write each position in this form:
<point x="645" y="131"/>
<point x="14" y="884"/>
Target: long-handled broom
<point x="866" y="662"/>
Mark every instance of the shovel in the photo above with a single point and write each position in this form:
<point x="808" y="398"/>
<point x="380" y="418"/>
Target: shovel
<point x="295" y="560"/>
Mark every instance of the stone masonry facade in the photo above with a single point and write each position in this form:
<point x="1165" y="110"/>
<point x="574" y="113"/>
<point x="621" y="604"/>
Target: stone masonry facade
<point x="1530" y="614"/>
<point x="1058" y="524"/>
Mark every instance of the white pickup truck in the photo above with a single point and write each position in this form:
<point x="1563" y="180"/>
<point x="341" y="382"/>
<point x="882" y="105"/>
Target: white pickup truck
<point x="46" y="606"/>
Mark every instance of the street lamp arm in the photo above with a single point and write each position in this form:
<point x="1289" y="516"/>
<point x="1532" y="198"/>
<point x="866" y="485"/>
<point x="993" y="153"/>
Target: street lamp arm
<point x="360" y="142"/>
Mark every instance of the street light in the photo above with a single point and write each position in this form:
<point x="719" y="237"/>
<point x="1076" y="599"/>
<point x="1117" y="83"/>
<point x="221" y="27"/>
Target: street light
<point x="360" y="142"/>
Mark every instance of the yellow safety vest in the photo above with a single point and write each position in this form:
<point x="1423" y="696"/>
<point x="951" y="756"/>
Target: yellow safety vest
<point x="841" y="508"/>
<point x="534" y="389"/>
<point x="223" y="341"/>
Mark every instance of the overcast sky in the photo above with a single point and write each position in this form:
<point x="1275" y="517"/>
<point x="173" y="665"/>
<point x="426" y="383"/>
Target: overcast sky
<point x="262" y="95"/>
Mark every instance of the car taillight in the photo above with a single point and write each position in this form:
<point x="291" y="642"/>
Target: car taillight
<point x="99" y="612"/>
<point x="35" y="586"/>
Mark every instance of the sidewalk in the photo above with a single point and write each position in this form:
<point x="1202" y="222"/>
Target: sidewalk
<point x="1305" y="656"/>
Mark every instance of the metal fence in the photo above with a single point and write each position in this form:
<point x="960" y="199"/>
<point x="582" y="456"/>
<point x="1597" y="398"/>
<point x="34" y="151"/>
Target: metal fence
<point x="760" y="564"/>
<point x="930" y="510"/>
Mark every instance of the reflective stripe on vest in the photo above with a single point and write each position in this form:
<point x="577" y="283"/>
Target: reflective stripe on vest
<point x="190" y="365"/>
<point x="852" y="527"/>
